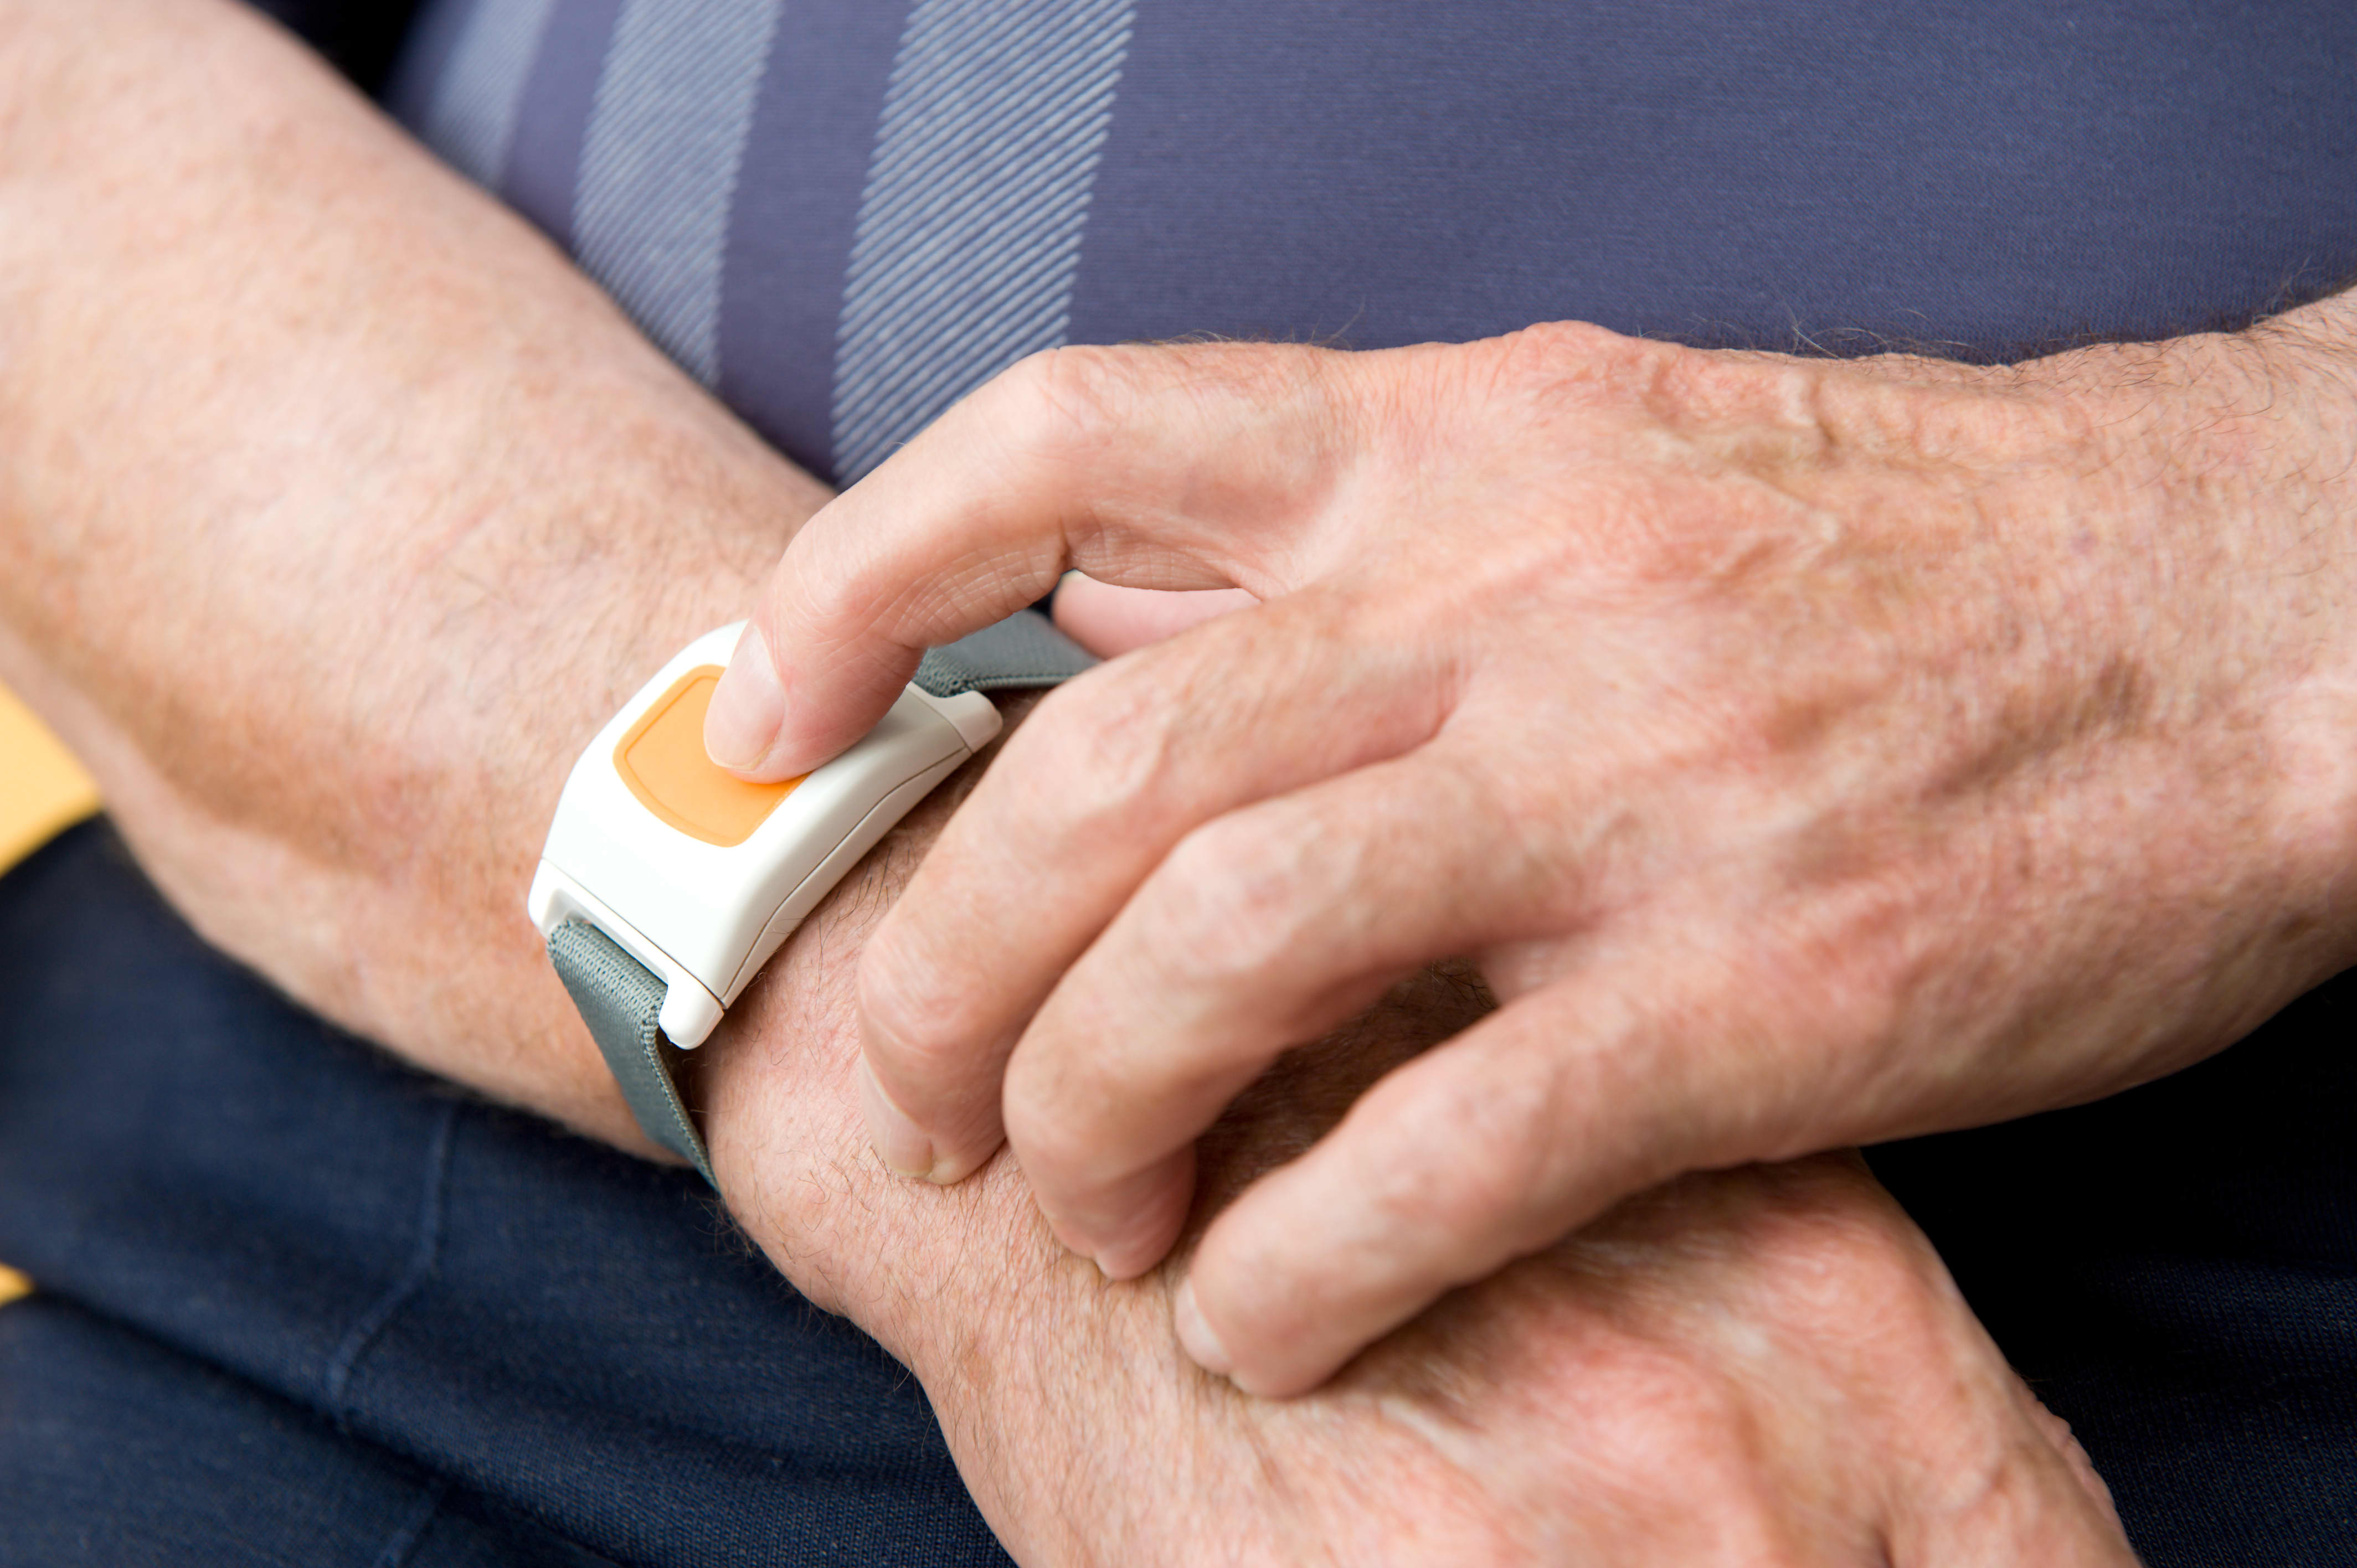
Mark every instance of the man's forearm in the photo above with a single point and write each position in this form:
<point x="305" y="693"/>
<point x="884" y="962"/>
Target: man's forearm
<point x="337" y="511"/>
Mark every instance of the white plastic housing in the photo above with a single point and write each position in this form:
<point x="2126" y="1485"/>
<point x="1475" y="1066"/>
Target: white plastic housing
<point x="705" y="918"/>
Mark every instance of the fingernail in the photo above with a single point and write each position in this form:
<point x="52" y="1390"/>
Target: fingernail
<point x="1196" y="1334"/>
<point x="899" y="1142"/>
<point x="747" y="708"/>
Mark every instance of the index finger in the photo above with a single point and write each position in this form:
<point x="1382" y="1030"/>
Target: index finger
<point x="1193" y="467"/>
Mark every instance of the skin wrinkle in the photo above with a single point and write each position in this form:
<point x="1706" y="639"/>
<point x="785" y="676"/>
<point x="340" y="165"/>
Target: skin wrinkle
<point x="2050" y="723"/>
<point x="1600" y="1269"/>
<point x="186" y="557"/>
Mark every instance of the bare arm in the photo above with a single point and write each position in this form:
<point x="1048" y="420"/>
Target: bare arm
<point x="337" y="511"/>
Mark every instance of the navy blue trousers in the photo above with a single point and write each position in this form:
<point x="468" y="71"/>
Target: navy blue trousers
<point x="302" y="1306"/>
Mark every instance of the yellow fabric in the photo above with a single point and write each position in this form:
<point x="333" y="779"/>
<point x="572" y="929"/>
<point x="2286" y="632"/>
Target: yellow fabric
<point x="42" y="789"/>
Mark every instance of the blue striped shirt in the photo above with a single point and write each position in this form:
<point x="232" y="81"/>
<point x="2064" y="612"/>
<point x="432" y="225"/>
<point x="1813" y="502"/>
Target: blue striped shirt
<point x="843" y="214"/>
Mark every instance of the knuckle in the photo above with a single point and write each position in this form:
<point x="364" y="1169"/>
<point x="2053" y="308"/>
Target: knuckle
<point x="926" y="1029"/>
<point x="1482" y="1165"/>
<point x="1050" y="1123"/>
<point x="1064" y="401"/>
<point x="1070" y="1116"/>
<point x="834" y="588"/>
<point x="1549" y="358"/>
<point x="829" y="594"/>
<point x="1549" y="346"/>
<point x="1842" y="995"/>
<point x="1108" y="744"/>
<point x="1680" y="1444"/>
<point x="1669" y="1418"/>
<point x="1235" y="898"/>
<point x="1870" y="986"/>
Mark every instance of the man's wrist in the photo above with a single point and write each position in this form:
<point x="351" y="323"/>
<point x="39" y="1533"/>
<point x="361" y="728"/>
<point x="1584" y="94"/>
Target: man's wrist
<point x="2202" y="572"/>
<point x="2292" y="438"/>
<point x="777" y="1089"/>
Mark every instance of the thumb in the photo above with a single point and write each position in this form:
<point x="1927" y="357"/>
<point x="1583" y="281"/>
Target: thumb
<point x="1188" y="466"/>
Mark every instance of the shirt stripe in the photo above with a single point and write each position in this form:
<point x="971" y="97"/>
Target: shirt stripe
<point x="471" y="120"/>
<point x="970" y="222"/>
<point x="660" y="163"/>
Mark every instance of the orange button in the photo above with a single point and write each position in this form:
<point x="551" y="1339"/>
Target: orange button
<point x="663" y="761"/>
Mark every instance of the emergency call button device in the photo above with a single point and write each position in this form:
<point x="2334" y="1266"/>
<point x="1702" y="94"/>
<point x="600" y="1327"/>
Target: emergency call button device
<point x="667" y="882"/>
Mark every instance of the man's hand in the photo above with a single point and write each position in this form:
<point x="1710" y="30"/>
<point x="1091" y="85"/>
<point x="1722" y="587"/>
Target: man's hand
<point x="1810" y="753"/>
<point x="1759" y="1366"/>
<point x="1766" y="1365"/>
<point x="337" y="512"/>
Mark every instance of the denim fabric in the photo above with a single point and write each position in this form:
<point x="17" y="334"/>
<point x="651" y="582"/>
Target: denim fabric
<point x="117" y="1450"/>
<point x="301" y="1304"/>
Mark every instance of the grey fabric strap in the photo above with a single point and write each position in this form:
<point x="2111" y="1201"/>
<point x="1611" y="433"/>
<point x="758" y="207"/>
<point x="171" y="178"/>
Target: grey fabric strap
<point x="621" y="1000"/>
<point x="1023" y="649"/>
